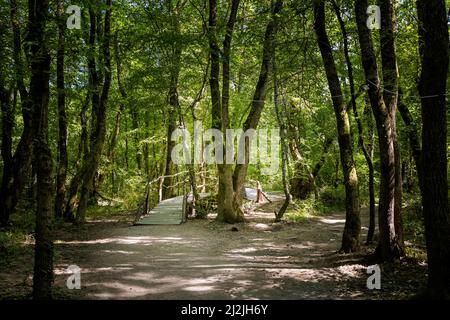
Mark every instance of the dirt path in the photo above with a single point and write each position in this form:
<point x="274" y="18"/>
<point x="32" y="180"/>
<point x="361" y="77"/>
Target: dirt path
<point x="207" y="260"/>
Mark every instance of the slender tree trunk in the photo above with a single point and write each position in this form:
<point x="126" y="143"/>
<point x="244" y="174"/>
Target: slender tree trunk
<point x="390" y="96"/>
<point x="258" y="102"/>
<point x="83" y="152"/>
<point x="116" y="131"/>
<point x="21" y="162"/>
<point x="7" y="109"/>
<point x="434" y="48"/>
<point x="42" y="158"/>
<point x="136" y="137"/>
<point x="284" y="148"/>
<point x="388" y="248"/>
<point x="414" y="138"/>
<point x="350" y="239"/>
<point x="6" y="150"/>
<point x="169" y="170"/>
<point x="370" y="149"/>
<point x="99" y="107"/>
<point x="225" y="210"/>
<point x="62" y="121"/>
<point x="361" y="143"/>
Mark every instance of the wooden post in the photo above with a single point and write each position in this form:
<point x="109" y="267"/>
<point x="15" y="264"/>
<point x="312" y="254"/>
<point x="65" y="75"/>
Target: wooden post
<point x="183" y="210"/>
<point x="259" y="196"/>
<point x="161" y="181"/>
<point x="147" y="196"/>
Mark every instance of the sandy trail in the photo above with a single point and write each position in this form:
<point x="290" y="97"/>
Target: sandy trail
<point x="203" y="259"/>
<point x="207" y="260"/>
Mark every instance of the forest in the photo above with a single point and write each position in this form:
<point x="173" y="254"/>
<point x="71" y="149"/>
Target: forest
<point x="212" y="149"/>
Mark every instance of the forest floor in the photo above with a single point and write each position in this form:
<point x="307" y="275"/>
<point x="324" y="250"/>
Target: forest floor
<point x="204" y="259"/>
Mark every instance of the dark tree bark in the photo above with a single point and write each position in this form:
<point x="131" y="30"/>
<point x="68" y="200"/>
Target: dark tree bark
<point x="413" y="136"/>
<point x="350" y="239"/>
<point x="62" y="119"/>
<point x="116" y="130"/>
<point x="225" y="210"/>
<point x="83" y="152"/>
<point x="434" y="48"/>
<point x="169" y="168"/>
<point x="370" y="149"/>
<point x="20" y="166"/>
<point x="390" y="96"/>
<point x="301" y="187"/>
<point x="284" y="148"/>
<point x="258" y="103"/>
<point x="361" y="143"/>
<point x="42" y="158"/>
<point x="388" y="248"/>
<point x="6" y="150"/>
<point x="173" y="102"/>
<point x="99" y="107"/>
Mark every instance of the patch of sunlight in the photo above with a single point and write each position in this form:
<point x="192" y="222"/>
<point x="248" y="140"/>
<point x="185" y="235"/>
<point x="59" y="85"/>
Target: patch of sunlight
<point x="119" y="251"/>
<point x="244" y="250"/>
<point x="109" y="269"/>
<point x="351" y="270"/>
<point x="140" y="276"/>
<point x="332" y="221"/>
<point x="261" y="227"/>
<point x="304" y="275"/>
<point x="145" y="240"/>
<point x="226" y="265"/>
<point x="199" y="288"/>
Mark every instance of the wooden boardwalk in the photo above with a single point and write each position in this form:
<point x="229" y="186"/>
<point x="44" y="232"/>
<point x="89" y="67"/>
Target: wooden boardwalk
<point x="168" y="211"/>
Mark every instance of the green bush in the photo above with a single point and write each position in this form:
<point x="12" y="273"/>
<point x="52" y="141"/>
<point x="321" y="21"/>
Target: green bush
<point x="413" y="220"/>
<point x="333" y="197"/>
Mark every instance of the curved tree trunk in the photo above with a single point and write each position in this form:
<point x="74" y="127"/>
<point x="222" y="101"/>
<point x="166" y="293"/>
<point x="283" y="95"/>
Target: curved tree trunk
<point x="225" y="210"/>
<point x="361" y="143"/>
<point x="258" y="102"/>
<point x="350" y="239"/>
<point x="389" y="247"/>
<point x="20" y="166"/>
<point x="284" y="148"/>
<point x="99" y="107"/>
<point x="390" y="96"/>
<point x="413" y="135"/>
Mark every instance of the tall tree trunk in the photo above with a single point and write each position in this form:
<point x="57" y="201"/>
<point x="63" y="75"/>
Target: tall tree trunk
<point x="7" y="122"/>
<point x="116" y="129"/>
<point x="284" y="148"/>
<point x="370" y="148"/>
<point x="390" y="96"/>
<point x="21" y="162"/>
<point x="99" y="106"/>
<point x="361" y="143"/>
<point x="83" y="152"/>
<point x="42" y="158"/>
<point x="388" y="248"/>
<point x="413" y="136"/>
<point x="258" y="102"/>
<point x="6" y="150"/>
<point x="62" y="120"/>
<point x="168" y="190"/>
<point x="225" y="210"/>
<point x="350" y="239"/>
<point x="434" y="48"/>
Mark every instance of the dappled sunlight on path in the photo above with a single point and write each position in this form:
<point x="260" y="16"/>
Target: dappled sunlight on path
<point x="206" y="260"/>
